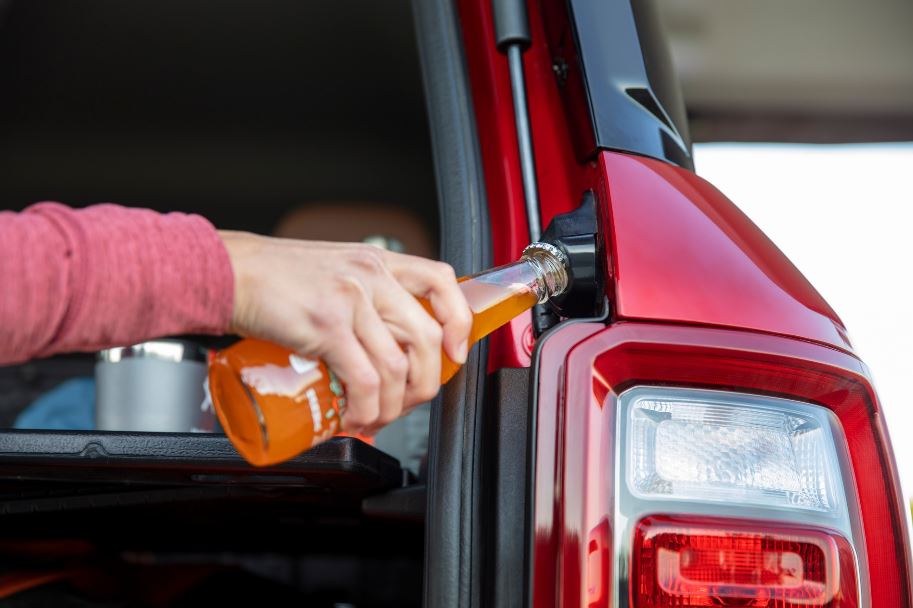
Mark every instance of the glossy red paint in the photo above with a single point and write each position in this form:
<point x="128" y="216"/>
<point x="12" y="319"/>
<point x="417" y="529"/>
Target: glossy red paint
<point x="679" y="250"/>
<point x="549" y="447"/>
<point x="682" y="252"/>
<point x="562" y="179"/>
<point x="574" y="481"/>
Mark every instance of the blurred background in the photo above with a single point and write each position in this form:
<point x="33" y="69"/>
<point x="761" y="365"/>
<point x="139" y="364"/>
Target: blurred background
<point x="794" y="70"/>
<point x="803" y="114"/>
<point x="218" y="108"/>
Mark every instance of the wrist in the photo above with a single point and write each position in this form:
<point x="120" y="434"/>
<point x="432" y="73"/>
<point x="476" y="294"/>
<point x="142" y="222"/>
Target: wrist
<point x="239" y="246"/>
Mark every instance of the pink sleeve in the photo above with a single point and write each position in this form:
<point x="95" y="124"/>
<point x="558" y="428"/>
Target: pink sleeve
<point x="82" y="280"/>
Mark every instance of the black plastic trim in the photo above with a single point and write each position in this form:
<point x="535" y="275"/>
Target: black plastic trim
<point x="407" y="503"/>
<point x="92" y="458"/>
<point x="452" y="532"/>
<point x="576" y="233"/>
<point x="504" y="481"/>
<point x="634" y="99"/>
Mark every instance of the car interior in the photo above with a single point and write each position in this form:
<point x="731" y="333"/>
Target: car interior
<point x="298" y="119"/>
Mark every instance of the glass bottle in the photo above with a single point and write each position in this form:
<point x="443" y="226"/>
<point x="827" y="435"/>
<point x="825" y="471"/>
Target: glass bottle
<point x="274" y="403"/>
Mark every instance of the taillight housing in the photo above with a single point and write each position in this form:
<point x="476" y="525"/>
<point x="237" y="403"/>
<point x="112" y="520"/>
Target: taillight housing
<point x="775" y="466"/>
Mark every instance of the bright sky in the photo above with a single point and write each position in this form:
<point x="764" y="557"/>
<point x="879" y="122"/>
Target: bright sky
<point x="844" y="215"/>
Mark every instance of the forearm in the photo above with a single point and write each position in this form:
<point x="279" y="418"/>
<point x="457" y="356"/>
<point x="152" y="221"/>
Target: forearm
<point x="81" y="280"/>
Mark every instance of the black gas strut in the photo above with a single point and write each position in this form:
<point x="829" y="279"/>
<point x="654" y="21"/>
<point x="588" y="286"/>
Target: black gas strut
<point x="574" y="233"/>
<point x="512" y="37"/>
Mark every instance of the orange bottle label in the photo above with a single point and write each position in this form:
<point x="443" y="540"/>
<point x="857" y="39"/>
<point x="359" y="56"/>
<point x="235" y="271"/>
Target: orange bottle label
<point x="272" y="402"/>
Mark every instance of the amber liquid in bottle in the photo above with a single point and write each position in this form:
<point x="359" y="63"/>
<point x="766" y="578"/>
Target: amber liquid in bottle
<point x="274" y="404"/>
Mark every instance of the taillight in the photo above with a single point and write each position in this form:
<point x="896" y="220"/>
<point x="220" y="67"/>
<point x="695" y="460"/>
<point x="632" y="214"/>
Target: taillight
<point x="767" y="469"/>
<point x="707" y="467"/>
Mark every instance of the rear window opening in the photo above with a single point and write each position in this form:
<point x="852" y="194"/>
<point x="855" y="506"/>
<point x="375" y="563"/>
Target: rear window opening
<point x="300" y="119"/>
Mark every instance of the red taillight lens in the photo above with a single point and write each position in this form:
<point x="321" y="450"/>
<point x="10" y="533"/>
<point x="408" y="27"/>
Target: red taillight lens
<point x="683" y="564"/>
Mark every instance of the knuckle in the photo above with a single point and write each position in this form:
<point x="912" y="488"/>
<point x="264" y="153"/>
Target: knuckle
<point x="368" y="259"/>
<point x="464" y="317"/>
<point x="397" y="363"/>
<point x="366" y="382"/>
<point x="434" y="332"/>
<point x="333" y="321"/>
<point x="445" y="272"/>
<point x="348" y="287"/>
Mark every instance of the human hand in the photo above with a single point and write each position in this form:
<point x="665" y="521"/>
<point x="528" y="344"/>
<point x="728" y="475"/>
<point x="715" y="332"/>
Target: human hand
<point x="353" y="306"/>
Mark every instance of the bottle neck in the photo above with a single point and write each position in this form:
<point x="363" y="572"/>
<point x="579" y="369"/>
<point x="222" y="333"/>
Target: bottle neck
<point x="550" y="267"/>
<point x="541" y="271"/>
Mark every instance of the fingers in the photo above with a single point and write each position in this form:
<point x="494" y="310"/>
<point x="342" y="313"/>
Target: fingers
<point x="419" y="335"/>
<point x="354" y="307"/>
<point x="388" y="359"/>
<point x="436" y="282"/>
<point x="346" y="356"/>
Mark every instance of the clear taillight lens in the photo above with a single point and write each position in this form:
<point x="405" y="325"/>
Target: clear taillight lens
<point x="723" y="447"/>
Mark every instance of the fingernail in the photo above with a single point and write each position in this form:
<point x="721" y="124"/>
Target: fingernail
<point x="462" y="352"/>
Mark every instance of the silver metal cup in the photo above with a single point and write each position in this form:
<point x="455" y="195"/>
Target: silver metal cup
<point x="155" y="386"/>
